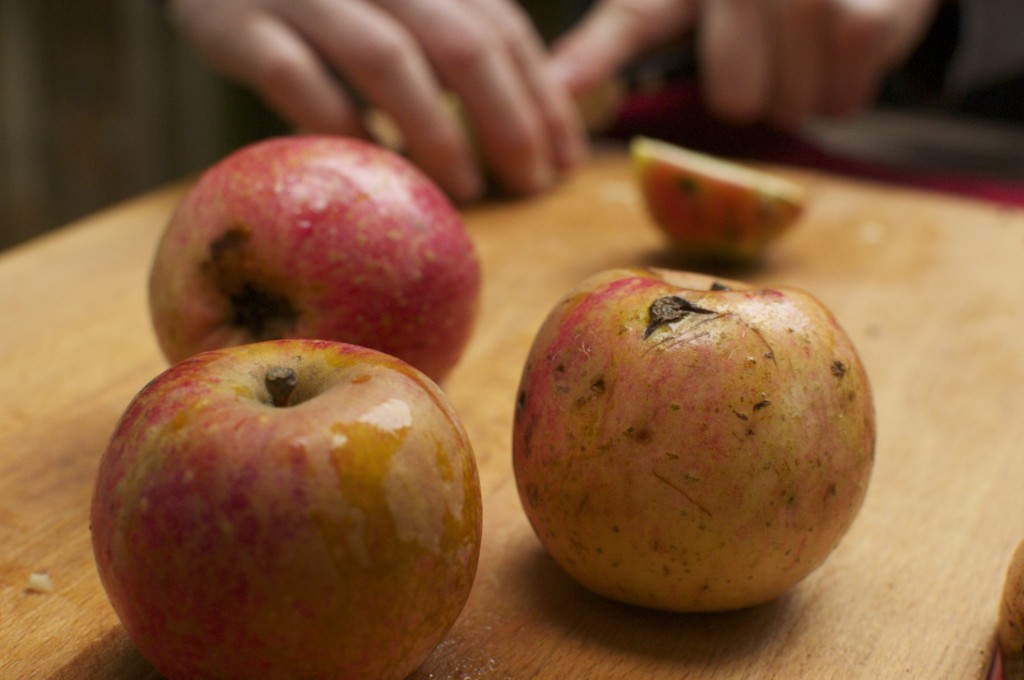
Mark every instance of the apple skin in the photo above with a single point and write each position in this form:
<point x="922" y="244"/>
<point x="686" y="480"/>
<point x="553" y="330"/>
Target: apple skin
<point x="698" y="464"/>
<point x="713" y="208"/>
<point x="1011" y="618"/>
<point x="337" y="537"/>
<point x="316" y="237"/>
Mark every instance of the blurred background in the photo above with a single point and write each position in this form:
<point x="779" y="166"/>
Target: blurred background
<point x="101" y="100"/>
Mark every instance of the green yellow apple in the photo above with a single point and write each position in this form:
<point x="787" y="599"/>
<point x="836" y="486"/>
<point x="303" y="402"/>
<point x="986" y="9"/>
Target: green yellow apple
<point x="710" y="207"/>
<point x="316" y="237"/>
<point x="287" y="509"/>
<point x="688" y="443"/>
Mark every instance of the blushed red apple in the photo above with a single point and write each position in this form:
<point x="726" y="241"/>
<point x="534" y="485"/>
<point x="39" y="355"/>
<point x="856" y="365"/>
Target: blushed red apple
<point x="316" y="237"/>
<point x="710" y="207"/>
<point x="287" y="509"/>
<point x="691" y="444"/>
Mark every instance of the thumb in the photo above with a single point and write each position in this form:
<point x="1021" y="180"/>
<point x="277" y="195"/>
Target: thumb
<point x="612" y="34"/>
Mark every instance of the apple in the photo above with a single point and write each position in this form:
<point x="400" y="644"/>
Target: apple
<point x="710" y="207"/>
<point x="287" y="509"/>
<point x="688" y="443"/>
<point x="316" y="237"/>
<point x="1011" y="618"/>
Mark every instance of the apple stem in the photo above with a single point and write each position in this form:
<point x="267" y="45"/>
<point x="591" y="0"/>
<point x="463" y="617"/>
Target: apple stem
<point x="668" y="309"/>
<point x="280" y="382"/>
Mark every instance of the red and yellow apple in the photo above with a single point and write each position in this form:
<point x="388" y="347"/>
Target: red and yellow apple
<point x="691" y="444"/>
<point x="1011" y="618"/>
<point x="287" y="509"/>
<point x="710" y="207"/>
<point x="316" y="237"/>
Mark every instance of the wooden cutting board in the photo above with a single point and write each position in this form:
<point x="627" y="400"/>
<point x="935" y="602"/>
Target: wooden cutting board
<point x="928" y="286"/>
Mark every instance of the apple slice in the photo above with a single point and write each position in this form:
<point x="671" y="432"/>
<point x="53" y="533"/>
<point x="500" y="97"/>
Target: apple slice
<point x="710" y="207"/>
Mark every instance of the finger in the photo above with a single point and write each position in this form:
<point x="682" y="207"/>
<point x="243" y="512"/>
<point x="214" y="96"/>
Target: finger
<point x="474" y="62"/>
<point x="735" y="59"/>
<point x="612" y="34"/>
<point x="558" y="112"/>
<point x="857" y="36"/>
<point x="906" y="23"/>
<point x="869" y="37"/>
<point x="798" y="46"/>
<point x="266" y="55"/>
<point x="383" y="61"/>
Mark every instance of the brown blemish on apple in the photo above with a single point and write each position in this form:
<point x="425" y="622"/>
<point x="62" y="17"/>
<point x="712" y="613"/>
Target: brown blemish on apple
<point x="641" y="435"/>
<point x="765" y="402"/>
<point x="688" y="186"/>
<point x="682" y="492"/>
<point x="768" y="207"/>
<point x="263" y="315"/>
<point x="532" y="495"/>
<point x="280" y="382"/>
<point x="527" y="439"/>
<point x="838" y="369"/>
<point x="718" y="285"/>
<point x="668" y="309"/>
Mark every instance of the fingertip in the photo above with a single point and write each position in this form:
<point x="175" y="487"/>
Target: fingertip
<point x="466" y="185"/>
<point x="456" y="169"/>
<point x="738" y="105"/>
<point x="570" y="152"/>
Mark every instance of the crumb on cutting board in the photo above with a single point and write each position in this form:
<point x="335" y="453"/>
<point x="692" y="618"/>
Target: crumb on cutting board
<point x="40" y="582"/>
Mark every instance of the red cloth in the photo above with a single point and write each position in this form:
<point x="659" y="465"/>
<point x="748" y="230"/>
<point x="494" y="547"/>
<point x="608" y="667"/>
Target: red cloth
<point x="675" y="115"/>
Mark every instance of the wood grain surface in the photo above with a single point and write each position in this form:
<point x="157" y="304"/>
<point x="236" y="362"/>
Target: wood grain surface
<point x="929" y="288"/>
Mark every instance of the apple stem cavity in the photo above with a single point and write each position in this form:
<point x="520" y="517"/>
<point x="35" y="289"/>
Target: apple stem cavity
<point x="281" y="382"/>
<point x="265" y="316"/>
<point x="668" y="309"/>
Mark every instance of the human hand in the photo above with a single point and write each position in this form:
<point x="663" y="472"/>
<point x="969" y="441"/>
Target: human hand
<point x="782" y="61"/>
<point x="314" y="60"/>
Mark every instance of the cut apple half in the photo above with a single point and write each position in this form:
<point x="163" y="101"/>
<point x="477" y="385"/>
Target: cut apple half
<point x="711" y="207"/>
